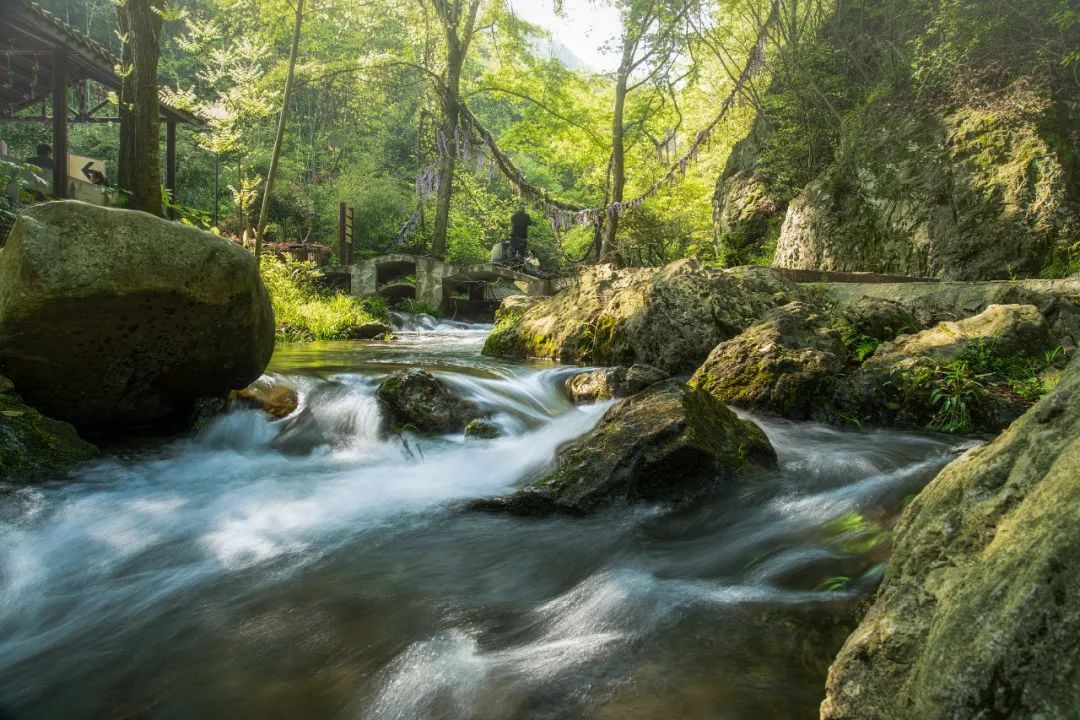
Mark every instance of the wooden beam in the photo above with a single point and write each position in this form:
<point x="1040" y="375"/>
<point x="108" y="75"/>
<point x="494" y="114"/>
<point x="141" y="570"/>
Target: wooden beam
<point x="48" y="119"/>
<point x="59" y="122"/>
<point x="342" y="258"/>
<point x="170" y="163"/>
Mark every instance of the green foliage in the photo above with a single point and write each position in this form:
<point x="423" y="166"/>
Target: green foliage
<point x="954" y="392"/>
<point x="955" y="389"/>
<point x="304" y="312"/>
<point x="419" y="307"/>
<point x="858" y="345"/>
<point x="854" y="534"/>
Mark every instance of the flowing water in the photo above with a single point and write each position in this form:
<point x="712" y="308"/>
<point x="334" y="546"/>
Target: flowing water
<point x="306" y="568"/>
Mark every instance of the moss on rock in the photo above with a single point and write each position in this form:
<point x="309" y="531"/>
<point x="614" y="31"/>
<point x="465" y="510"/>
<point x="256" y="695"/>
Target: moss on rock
<point x="979" y="611"/>
<point x="35" y="447"/>
<point x="786" y="364"/>
<point x="418" y="400"/>
<point x="668" y="443"/>
<point x="668" y="317"/>
<point x="934" y="379"/>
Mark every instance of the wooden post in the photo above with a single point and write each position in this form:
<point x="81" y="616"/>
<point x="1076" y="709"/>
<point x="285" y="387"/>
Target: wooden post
<point x="60" y="130"/>
<point x="170" y="163"/>
<point x="341" y="235"/>
<point x="350" y="233"/>
<point x="217" y="175"/>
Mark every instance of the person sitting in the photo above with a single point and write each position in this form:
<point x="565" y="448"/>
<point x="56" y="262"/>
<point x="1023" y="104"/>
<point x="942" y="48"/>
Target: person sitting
<point x="43" y="159"/>
<point x="519" y="234"/>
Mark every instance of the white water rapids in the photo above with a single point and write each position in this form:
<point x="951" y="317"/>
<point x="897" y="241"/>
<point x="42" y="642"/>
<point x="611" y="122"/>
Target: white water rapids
<point x="306" y="568"/>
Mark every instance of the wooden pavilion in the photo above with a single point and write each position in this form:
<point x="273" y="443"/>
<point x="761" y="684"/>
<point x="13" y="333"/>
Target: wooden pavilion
<point x="41" y="57"/>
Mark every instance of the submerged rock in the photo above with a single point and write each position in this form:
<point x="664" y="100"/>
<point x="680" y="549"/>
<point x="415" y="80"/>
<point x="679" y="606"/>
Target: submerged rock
<point x="668" y="317"/>
<point x="205" y="411"/>
<point x="417" y="398"/>
<point x="279" y="401"/>
<point x="33" y="446"/>
<point x="669" y="443"/>
<point x="615" y="382"/>
<point x="115" y="319"/>
<point x="481" y="429"/>
<point x="906" y="382"/>
<point x="786" y="364"/>
<point x="367" y="331"/>
<point x="979" y="612"/>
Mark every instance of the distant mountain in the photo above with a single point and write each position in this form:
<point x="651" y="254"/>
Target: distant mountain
<point x="552" y="48"/>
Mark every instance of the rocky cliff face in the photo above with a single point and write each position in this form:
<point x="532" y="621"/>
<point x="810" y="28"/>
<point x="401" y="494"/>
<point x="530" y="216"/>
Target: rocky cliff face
<point x="972" y="193"/>
<point x="979" y="612"/>
<point x="932" y="146"/>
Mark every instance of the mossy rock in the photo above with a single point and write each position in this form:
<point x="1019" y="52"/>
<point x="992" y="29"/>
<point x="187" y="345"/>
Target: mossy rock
<point x="34" y="447"/>
<point x="786" y="365"/>
<point x="614" y="382"/>
<point x="668" y="317"/>
<point x="481" y="429"/>
<point x="669" y="443"/>
<point x="115" y="320"/>
<point x="905" y="382"/>
<point x="418" y="399"/>
<point x="965" y="193"/>
<point x="979" y="612"/>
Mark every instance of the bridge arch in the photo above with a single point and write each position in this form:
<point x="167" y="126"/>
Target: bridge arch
<point x="398" y="276"/>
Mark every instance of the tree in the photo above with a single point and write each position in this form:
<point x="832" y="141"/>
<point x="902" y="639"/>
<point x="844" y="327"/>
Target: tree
<point x="283" y="120"/>
<point x="140" y="124"/>
<point x="651" y="44"/>
<point x="458" y="18"/>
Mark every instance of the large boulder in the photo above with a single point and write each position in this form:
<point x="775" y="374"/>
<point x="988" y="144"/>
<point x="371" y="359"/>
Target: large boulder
<point x="979" y="612"/>
<point x="940" y="377"/>
<point x="416" y="398"/>
<point x="667" y="443"/>
<point x="669" y="317"/>
<point x="32" y="446"/>
<point x="613" y="382"/>
<point x="115" y="319"/>
<point x="786" y="364"/>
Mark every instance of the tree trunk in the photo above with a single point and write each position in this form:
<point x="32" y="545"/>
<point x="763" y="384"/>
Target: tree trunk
<point x="609" y="249"/>
<point x="140" y="124"/>
<point x="459" y="33"/>
<point x="448" y="149"/>
<point x="283" y="120"/>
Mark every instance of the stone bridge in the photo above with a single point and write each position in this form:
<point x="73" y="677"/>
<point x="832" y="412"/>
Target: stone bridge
<point x="440" y="284"/>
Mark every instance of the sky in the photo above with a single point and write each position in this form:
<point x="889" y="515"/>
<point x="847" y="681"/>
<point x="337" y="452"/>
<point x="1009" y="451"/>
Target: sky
<point x="587" y="26"/>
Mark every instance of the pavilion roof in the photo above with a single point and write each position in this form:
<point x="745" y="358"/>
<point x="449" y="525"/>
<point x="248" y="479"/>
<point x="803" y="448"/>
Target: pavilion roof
<point x="27" y="32"/>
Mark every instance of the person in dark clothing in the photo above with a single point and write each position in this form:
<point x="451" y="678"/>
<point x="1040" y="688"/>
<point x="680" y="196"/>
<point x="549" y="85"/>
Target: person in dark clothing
<point x="43" y="159"/>
<point x="519" y="234"/>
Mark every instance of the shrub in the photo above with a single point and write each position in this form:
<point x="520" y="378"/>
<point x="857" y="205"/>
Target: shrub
<point x="304" y="312"/>
<point x="419" y="307"/>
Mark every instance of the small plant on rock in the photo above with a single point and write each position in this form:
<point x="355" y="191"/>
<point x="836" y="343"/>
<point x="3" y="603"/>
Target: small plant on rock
<point x="956" y="390"/>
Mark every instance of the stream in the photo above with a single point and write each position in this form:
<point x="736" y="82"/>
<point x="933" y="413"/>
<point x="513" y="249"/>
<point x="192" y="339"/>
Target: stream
<point x="306" y="568"/>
